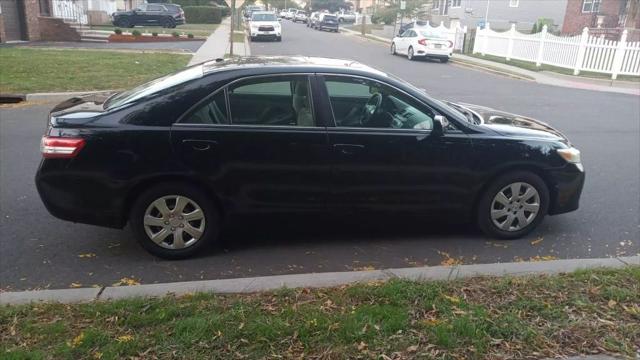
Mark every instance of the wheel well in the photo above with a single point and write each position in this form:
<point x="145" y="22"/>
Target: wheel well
<point x="137" y="189"/>
<point x="532" y="169"/>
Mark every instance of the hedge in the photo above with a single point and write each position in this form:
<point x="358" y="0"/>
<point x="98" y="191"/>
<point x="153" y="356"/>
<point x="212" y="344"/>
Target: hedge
<point x="192" y="2"/>
<point x="203" y="14"/>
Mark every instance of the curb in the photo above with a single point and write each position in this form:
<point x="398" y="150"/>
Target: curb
<point x="489" y="69"/>
<point x="265" y="283"/>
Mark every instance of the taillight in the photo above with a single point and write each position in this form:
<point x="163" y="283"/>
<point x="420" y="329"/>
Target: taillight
<point x="450" y="43"/>
<point x="422" y="42"/>
<point x="60" y="148"/>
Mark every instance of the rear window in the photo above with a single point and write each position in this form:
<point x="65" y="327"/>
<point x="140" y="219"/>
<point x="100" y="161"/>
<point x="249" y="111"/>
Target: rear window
<point x="329" y="17"/>
<point x="173" y="7"/>
<point x="432" y="34"/>
<point x="153" y="87"/>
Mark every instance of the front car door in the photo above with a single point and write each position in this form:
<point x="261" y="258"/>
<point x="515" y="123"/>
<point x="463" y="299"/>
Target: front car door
<point x="154" y="14"/>
<point x="258" y="144"/>
<point x="384" y="154"/>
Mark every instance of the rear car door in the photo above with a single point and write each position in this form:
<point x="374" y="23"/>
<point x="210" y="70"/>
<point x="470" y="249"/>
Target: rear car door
<point x="154" y="14"/>
<point x="387" y="158"/>
<point x="258" y="144"/>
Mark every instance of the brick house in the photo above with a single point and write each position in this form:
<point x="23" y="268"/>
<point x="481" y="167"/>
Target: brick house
<point x="605" y="17"/>
<point x="32" y="20"/>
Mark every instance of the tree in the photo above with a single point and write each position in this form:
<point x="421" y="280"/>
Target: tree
<point x="534" y="30"/>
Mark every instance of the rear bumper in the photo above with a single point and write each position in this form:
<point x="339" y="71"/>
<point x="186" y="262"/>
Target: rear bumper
<point x="565" y="193"/>
<point x="325" y="26"/>
<point x="433" y="53"/>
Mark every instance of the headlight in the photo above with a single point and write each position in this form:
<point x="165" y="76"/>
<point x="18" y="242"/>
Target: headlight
<point x="571" y="155"/>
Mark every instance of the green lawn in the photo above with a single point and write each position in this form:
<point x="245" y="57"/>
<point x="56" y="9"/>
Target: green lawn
<point x="42" y="70"/>
<point x="201" y="30"/>
<point x="584" y="312"/>
<point x="532" y="66"/>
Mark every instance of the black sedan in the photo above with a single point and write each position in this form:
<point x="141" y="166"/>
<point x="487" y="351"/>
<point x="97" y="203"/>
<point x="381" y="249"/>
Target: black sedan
<point x="178" y="157"/>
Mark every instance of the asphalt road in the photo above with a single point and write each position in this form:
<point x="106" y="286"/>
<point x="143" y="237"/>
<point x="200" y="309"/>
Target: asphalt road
<point x="39" y="251"/>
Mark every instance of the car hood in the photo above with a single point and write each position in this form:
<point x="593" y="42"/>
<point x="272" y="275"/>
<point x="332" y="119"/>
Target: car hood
<point x="122" y="13"/>
<point x="509" y="124"/>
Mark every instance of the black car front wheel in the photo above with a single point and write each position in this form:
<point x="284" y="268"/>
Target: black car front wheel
<point x="513" y="205"/>
<point x="174" y="220"/>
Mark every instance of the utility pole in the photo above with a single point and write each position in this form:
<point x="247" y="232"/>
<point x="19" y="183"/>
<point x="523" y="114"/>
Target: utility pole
<point x="231" y="29"/>
<point x="362" y="26"/>
<point x="486" y="13"/>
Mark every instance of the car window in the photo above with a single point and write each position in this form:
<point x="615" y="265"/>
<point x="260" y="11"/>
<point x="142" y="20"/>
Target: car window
<point x="433" y="34"/>
<point x="275" y="101"/>
<point x="329" y="17"/>
<point x="365" y="103"/>
<point x="212" y="111"/>
<point x="264" y="17"/>
<point x="154" y="8"/>
<point x="172" y="7"/>
<point x="140" y="8"/>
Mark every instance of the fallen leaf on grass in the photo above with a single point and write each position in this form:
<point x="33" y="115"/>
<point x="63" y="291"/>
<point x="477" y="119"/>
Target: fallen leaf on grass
<point x="453" y="299"/>
<point x="76" y="341"/>
<point x="75" y="285"/>
<point x="412" y="348"/>
<point x="362" y="346"/>
<point x="87" y="255"/>
<point x="124" y="338"/>
<point x="542" y="258"/>
<point x="611" y="303"/>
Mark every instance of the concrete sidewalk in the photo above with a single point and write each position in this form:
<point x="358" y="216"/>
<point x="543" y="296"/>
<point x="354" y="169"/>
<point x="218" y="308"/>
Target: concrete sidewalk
<point x="217" y="45"/>
<point x="540" y="77"/>
<point x="329" y="279"/>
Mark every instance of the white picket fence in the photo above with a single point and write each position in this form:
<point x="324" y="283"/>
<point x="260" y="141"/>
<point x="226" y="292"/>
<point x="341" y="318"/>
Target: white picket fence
<point x="580" y="53"/>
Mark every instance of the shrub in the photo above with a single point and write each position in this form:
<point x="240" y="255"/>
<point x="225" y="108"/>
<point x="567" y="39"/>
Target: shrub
<point x="118" y="31"/>
<point x="192" y="2"/>
<point x="203" y="14"/>
<point x="387" y="16"/>
<point x="190" y="35"/>
<point x="175" y="34"/>
<point x="154" y="34"/>
<point x="136" y="33"/>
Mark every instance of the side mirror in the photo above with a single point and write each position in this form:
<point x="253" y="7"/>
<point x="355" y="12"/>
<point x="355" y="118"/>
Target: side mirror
<point x="280" y="19"/>
<point x="439" y="124"/>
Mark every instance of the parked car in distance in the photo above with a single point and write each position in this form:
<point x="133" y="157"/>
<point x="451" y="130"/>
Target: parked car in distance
<point x="422" y="43"/>
<point x="178" y="157"/>
<point x="412" y="24"/>
<point x="313" y="19"/>
<point x="300" y="16"/>
<point x="250" y="9"/>
<point x="264" y="25"/>
<point x="290" y="13"/>
<point x="346" y="16"/>
<point x="165" y="15"/>
<point x="327" y="22"/>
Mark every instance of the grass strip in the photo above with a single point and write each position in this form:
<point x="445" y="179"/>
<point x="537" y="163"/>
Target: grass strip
<point x="595" y="311"/>
<point x="28" y="70"/>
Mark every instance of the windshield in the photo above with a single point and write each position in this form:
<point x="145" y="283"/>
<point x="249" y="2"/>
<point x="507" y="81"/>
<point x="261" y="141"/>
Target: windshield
<point x="432" y="34"/>
<point x="153" y="87"/>
<point x="264" y="17"/>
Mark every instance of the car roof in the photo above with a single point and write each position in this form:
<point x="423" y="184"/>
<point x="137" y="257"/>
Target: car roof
<point x="267" y="64"/>
<point x="262" y="12"/>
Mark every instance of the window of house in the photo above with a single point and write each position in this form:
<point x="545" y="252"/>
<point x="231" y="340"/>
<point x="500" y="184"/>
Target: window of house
<point x="435" y="5"/>
<point x="455" y="3"/>
<point x="591" y="6"/>
<point x="44" y="8"/>
<point x="514" y="3"/>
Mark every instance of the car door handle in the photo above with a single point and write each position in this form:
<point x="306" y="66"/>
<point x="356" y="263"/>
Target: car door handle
<point x="349" y="149"/>
<point x="200" y="145"/>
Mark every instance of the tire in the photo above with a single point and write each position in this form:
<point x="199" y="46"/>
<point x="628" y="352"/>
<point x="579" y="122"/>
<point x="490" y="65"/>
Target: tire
<point x="207" y="224"/>
<point x="393" y="48"/>
<point x="444" y="61"/>
<point x="410" y="54"/>
<point x="168" y="23"/>
<point x="489" y="203"/>
<point x="279" y="39"/>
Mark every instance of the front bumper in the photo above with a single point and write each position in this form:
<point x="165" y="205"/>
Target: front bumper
<point x="567" y="188"/>
<point x="328" y="26"/>
<point x="255" y="34"/>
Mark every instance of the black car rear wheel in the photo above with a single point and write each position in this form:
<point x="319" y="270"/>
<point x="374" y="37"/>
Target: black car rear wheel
<point x="169" y="23"/>
<point x="174" y="220"/>
<point x="124" y="23"/>
<point x="513" y="205"/>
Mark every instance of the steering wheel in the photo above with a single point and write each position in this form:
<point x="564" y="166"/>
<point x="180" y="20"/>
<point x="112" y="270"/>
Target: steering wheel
<point x="371" y="107"/>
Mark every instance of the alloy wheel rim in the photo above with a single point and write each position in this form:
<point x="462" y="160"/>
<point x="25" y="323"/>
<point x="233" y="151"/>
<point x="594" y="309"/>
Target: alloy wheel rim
<point x="174" y="222"/>
<point x="515" y="206"/>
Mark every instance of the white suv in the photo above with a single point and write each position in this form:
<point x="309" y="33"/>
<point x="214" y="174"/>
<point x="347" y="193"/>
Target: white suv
<point x="264" y="25"/>
<point x="300" y="15"/>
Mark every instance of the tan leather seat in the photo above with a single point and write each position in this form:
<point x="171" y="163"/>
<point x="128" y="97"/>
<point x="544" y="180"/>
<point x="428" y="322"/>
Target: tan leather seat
<point x="301" y="104"/>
